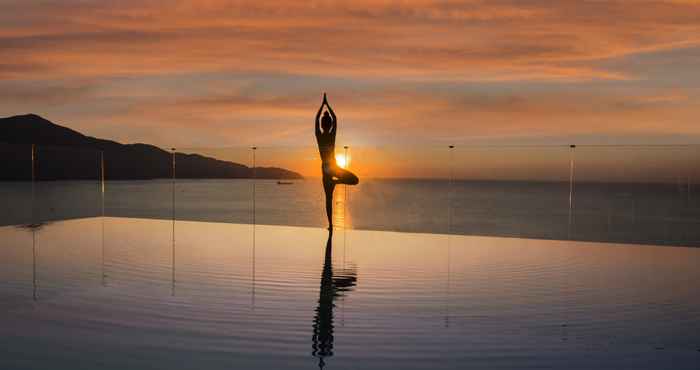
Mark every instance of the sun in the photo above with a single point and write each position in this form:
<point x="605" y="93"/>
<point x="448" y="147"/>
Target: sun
<point x="341" y="160"/>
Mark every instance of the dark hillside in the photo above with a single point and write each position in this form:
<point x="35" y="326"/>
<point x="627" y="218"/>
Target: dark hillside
<point x="64" y="154"/>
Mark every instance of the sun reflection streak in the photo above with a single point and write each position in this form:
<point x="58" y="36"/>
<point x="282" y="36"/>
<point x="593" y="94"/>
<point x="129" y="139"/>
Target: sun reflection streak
<point x="341" y="213"/>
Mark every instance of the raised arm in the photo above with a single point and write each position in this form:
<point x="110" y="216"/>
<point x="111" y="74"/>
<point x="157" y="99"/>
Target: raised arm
<point x="318" y="123"/>
<point x="330" y="110"/>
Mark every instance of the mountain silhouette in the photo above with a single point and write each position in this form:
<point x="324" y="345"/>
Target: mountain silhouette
<point x="65" y="154"/>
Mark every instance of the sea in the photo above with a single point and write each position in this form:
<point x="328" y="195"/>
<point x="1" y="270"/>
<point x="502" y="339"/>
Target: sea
<point x="637" y="213"/>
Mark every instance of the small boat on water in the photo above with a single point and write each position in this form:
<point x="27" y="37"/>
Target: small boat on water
<point x="284" y="183"/>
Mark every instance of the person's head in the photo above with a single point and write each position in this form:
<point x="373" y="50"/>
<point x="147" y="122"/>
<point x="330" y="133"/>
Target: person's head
<point x="326" y="122"/>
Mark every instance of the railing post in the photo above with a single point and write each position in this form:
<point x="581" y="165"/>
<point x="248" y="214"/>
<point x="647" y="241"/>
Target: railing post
<point x="102" y="211"/>
<point x="172" y="191"/>
<point x="345" y="188"/>
<point x="252" y="282"/>
<point x="450" y="189"/>
<point x="255" y="175"/>
<point x="33" y="200"/>
<point x="172" y="182"/>
<point x="345" y="207"/>
<point x="449" y="234"/>
<point x="34" y="224"/>
<point x="102" y="181"/>
<point x="572" y="149"/>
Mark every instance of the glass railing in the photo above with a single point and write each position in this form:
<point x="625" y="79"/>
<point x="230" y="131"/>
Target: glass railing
<point x="42" y="183"/>
<point x="138" y="184"/>
<point x="636" y="194"/>
<point x="67" y="183"/>
<point x="625" y="194"/>
<point x="514" y="191"/>
<point x="219" y="191"/>
<point x="16" y="184"/>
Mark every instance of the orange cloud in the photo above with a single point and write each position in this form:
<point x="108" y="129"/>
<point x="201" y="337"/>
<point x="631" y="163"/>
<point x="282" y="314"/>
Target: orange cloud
<point x="217" y="73"/>
<point x="423" y="40"/>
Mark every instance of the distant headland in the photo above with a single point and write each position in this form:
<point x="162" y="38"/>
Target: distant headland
<point x="65" y="154"/>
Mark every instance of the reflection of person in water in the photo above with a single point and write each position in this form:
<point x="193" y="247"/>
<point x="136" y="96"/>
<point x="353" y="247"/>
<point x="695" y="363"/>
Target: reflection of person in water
<point x="331" y="288"/>
<point x="332" y="173"/>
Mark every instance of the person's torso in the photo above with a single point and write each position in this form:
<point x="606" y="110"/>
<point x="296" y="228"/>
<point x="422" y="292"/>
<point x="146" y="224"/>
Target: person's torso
<point x="326" y="148"/>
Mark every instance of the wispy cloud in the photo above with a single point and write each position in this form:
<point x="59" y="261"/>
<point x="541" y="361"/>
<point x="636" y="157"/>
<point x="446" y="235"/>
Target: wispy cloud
<point x="220" y="71"/>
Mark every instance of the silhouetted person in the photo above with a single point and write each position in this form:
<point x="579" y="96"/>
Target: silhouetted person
<point x="332" y="173"/>
<point x="331" y="287"/>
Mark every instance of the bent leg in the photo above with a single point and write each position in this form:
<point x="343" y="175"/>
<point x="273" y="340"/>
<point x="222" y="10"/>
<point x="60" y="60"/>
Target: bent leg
<point x="328" y="187"/>
<point x="345" y="177"/>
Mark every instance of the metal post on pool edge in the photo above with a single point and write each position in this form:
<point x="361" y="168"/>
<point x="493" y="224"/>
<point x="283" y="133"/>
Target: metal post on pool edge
<point x="572" y="150"/>
<point x="566" y="317"/>
<point x="345" y="188"/>
<point x="102" y="211"/>
<point x="172" y="183"/>
<point x="345" y="205"/>
<point x="252" y="291"/>
<point x="172" y="190"/>
<point x="449" y="190"/>
<point x="102" y="182"/>
<point x="449" y="232"/>
<point x="254" y="149"/>
<point x="33" y="224"/>
<point x="33" y="174"/>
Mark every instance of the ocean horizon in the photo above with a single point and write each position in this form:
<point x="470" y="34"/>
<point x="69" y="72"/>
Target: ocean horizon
<point x="646" y="213"/>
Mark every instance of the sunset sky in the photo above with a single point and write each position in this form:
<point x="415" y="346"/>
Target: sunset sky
<point x="229" y="73"/>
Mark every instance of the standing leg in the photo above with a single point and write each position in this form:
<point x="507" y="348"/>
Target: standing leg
<point x="328" y="187"/>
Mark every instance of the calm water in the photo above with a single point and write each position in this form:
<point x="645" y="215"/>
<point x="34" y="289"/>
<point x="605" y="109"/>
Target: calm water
<point x="626" y="213"/>
<point x="115" y="293"/>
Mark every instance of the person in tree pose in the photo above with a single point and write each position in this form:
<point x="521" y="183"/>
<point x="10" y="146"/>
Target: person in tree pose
<point x="326" y="128"/>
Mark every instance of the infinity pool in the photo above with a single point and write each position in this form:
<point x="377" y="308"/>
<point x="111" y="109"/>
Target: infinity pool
<point x="116" y="293"/>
